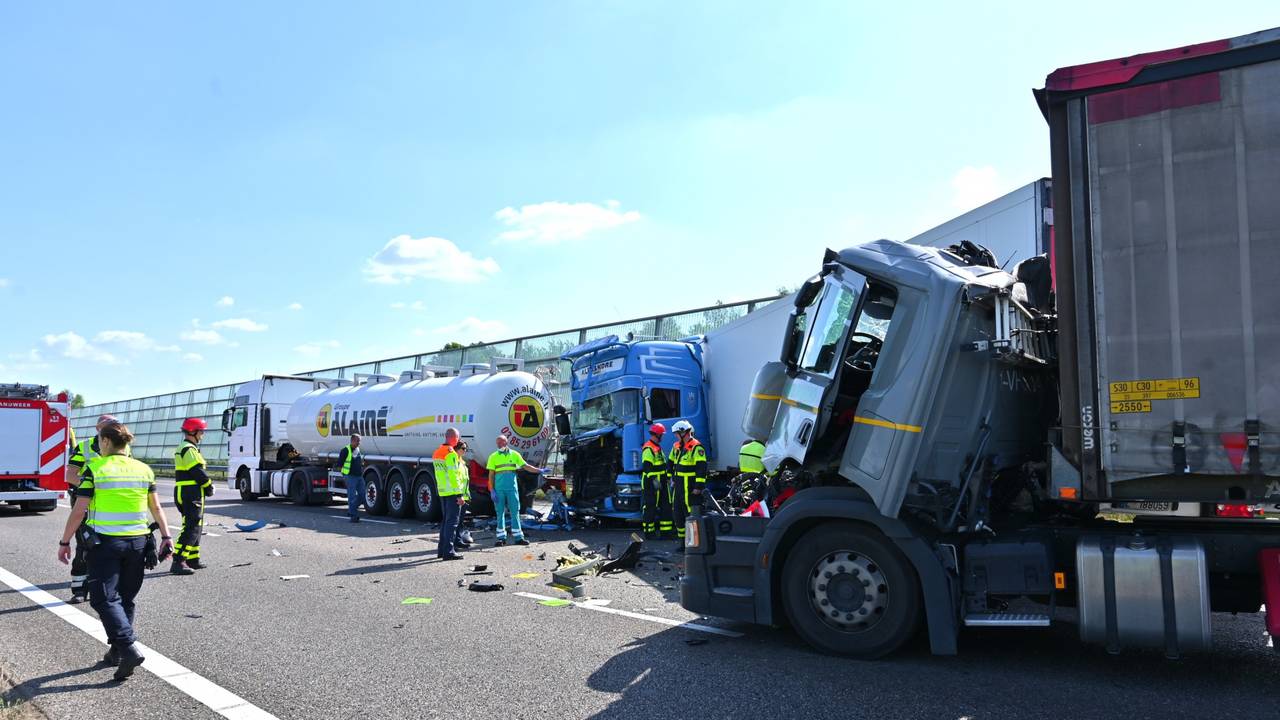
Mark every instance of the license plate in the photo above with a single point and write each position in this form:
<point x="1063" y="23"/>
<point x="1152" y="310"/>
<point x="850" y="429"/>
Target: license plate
<point x="1152" y="506"/>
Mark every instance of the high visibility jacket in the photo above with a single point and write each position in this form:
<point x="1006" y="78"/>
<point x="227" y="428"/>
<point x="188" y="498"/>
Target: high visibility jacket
<point x="85" y="451"/>
<point x="118" y="489"/>
<point x="189" y="467"/>
<point x="502" y="466"/>
<point x="689" y="461"/>
<point x="351" y="456"/>
<point x="751" y="457"/>
<point x="450" y="477"/>
<point x="652" y="465"/>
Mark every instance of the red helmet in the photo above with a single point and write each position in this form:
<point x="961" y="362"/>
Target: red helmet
<point x="657" y="429"/>
<point x="191" y="425"/>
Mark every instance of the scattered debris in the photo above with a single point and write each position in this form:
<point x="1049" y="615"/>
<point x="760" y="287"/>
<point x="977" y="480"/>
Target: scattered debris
<point x="543" y="556"/>
<point x="485" y="587"/>
<point x="194" y="617"/>
<point x="696" y="641"/>
<point x="251" y="526"/>
<point x="627" y="560"/>
<point x="479" y="568"/>
<point x="276" y="553"/>
<point x="554" y="602"/>
<point x="242" y="564"/>
<point x="416" y="601"/>
<point x="580" y="552"/>
<point x="397" y="626"/>
<point x="402" y="540"/>
<point x="570" y="566"/>
<point x="253" y="539"/>
<point x="526" y="575"/>
<point x="293" y="577"/>
<point x="479" y="572"/>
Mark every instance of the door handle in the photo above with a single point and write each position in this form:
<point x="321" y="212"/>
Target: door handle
<point x="802" y="436"/>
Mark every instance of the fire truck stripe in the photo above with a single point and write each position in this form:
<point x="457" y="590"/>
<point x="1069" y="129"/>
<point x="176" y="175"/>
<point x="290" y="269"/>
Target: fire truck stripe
<point x="53" y="441"/>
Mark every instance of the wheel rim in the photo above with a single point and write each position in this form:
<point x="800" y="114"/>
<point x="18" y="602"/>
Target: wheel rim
<point x="424" y="497"/>
<point x="395" y="495"/>
<point x="370" y="494"/>
<point x="848" y="590"/>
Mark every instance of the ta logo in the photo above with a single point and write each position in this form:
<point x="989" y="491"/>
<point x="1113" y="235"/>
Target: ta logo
<point x="322" y="420"/>
<point x="526" y="416"/>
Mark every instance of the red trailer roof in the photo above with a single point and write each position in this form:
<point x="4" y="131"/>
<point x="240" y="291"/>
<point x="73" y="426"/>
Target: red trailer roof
<point x="1122" y="70"/>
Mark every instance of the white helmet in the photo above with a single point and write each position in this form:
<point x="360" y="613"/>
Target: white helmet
<point x="682" y="426"/>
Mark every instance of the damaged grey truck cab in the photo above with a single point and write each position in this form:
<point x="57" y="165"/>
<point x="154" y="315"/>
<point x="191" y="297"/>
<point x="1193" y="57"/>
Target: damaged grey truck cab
<point x="896" y="383"/>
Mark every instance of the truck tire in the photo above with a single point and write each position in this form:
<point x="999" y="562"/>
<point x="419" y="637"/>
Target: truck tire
<point x="38" y="506"/>
<point x="426" y="504"/>
<point x="299" y="492"/>
<point x="848" y="590"/>
<point x="242" y="484"/>
<point x="399" y="495"/>
<point x="375" y="496"/>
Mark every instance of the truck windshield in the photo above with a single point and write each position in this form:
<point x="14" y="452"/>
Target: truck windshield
<point x="830" y="324"/>
<point x="616" y="408"/>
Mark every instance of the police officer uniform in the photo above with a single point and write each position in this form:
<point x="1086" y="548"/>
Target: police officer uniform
<point x="82" y="453"/>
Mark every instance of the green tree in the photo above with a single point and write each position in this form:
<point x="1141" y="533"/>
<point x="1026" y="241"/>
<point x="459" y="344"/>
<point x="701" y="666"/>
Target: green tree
<point x="77" y="400"/>
<point x="453" y="346"/>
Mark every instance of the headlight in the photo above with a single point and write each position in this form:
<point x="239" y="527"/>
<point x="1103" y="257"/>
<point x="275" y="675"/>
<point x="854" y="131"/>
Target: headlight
<point x="621" y="489"/>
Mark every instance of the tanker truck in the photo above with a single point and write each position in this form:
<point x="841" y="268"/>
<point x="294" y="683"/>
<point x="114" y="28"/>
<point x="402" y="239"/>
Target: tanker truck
<point x="285" y="432"/>
<point x="943" y="434"/>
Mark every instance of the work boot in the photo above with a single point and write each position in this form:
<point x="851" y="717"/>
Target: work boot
<point x="499" y="542"/>
<point x="522" y="541"/>
<point x="195" y="564"/>
<point x="130" y="658"/>
<point x="180" y="568"/>
<point x="112" y="658"/>
<point x="76" y="599"/>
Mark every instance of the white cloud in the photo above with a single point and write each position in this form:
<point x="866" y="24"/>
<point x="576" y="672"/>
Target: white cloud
<point x="225" y="301"/>
<point x="133" y="341"/>
<point x="295" y="306"/>
<point x="315" y="348"/>
<point x="208" y="337"/>
<point x="404" y="258"/>
<point x="192" y="357"/>
<point x="973" y="186"/>
<point x="4" y="282"/>
<point x="415" y="305"/>
<point x="469" y="330"/>
<point x="244" y="324"/>
<point x="73" y="346"/>
<point x="23" y="363"/>
<point x="553" y="222"/>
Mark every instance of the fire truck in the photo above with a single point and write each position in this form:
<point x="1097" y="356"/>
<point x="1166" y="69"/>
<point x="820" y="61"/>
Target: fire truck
<point x="34" y="437"/>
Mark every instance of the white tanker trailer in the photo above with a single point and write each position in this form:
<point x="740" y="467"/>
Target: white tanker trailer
<point x="285" y="432"/>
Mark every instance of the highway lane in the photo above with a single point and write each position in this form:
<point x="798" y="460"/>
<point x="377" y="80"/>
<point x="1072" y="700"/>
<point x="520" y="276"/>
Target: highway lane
<point x="340" y="643"/>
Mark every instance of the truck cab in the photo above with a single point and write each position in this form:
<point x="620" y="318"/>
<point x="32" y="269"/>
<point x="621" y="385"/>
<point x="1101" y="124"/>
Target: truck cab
<point x="257" y="432"/>
<point x="618" y="389"/>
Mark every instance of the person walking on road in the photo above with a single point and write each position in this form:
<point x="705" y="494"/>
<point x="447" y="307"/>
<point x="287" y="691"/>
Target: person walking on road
<point x="191" y="486"/>
<point x="688" y="460"/>
<point x="115" y="494"/>
<point x="655" y="497"/>
<point x="81" y="454"/>
<point x="351" y="464"/>
<point x="447" y="465"/>
<point x="504" y="488"/>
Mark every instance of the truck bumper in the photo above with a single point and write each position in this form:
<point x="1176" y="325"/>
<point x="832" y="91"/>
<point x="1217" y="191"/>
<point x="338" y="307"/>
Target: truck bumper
<point x="720" y="573"/>
<point x="30" y="495"/>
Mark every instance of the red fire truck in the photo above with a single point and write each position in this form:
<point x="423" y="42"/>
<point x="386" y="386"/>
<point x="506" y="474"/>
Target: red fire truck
<point x="34" y="435"/>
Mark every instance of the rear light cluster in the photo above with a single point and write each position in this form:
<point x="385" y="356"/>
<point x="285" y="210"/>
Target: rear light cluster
<point x="1238" y="510"/>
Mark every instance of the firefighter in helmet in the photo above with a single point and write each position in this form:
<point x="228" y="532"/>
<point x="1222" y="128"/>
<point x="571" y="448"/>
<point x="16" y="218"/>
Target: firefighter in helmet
<point x="688" y="467"/>
<point x="192" y="486"/>
<point x="655" y="495"/>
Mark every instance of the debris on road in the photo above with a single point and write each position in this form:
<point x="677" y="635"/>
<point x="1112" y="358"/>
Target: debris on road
<point x="479" y="568"/>
<point x="628" y="559"/>
<point x="294" y="577"/>
<point x="485" y="587"/>
<point x="242" y="564"/>
<point x="193" y="617"/>
<point x="416" y="601"/>
<point x="402" y="540"/>
<point x="554" y="602"/>
<point x="251" y="526"/>
<point x="567" y="568"/>
<point x="526" y="575"/>
<point x="479" y="572"/>
<point x="276" y="553"/>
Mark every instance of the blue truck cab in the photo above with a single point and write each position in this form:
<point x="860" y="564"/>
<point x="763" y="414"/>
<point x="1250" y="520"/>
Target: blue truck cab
<point x="618" y="389"/>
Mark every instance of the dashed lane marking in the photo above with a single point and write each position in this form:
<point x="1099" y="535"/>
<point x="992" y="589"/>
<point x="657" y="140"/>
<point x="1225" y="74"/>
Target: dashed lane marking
<point x="215" y="697"/>
<point x="588" y="605"/>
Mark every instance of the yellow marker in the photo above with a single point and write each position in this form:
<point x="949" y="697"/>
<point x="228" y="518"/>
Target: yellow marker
<point x="1060" y="581"/>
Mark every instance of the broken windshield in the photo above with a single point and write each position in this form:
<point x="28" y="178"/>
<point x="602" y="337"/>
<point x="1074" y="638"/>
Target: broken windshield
<point x="616" y="408"/>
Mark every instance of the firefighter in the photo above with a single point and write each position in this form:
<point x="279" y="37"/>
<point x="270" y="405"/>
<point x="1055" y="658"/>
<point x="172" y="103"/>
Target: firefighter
<point x="688" y="468"/>
<point x="192" y="485"/>
<point x="751" y="457"/>
<point x="113" y="498"/>
<point x="81" y="454"/>
<point x="654" y="486"/>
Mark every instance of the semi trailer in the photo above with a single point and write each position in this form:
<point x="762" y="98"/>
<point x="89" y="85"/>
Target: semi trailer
<point x="285" y="433"/>
<point x="947" y="432"/>
<point x="34" y="437"/>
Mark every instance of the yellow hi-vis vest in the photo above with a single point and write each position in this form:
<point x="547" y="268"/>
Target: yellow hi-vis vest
<point x="120" y="486"/>
<point x="450" y="479"/>
<point x="185" y="460"/>
<point x="346" y="464"/>
<point x="751" y="457"/>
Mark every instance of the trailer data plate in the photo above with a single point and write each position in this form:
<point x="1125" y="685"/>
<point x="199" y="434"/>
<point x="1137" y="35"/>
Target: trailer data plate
<point x="1139" y="390"/>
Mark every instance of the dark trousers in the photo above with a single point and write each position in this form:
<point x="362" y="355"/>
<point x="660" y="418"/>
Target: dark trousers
<point x="115" y="577"/>
<point x="190" y="502"/>
<point x="355" y="494"/>
<point x="683" y="501"/>
<point x="655" y="500"/>
<point x="451" y="515"/>
<point x="80" y="561"/>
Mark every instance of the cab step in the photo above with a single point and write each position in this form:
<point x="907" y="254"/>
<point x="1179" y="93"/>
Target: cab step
<point x="1006" y="619"/>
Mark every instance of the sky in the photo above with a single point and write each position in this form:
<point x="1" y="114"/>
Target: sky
<point x="198" y="193"/>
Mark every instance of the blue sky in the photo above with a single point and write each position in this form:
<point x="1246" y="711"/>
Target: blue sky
<point x="195" y="194"/>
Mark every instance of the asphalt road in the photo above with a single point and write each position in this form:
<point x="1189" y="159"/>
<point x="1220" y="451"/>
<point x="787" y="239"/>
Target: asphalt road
<point x="340" y="643"/>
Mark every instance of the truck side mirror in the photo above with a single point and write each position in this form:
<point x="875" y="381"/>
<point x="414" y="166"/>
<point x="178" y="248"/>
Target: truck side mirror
<point x="226" y="420"/>
<point x="562" y="420"/>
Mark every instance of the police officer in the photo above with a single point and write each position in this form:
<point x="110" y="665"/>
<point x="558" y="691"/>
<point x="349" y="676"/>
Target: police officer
<point x="81" y="454"/>
<point x="191" y="486"/>
<point x="114" y="497"/>
<point x="655" y="490"/>
<point x="447" y="465"/>
<point x="688" y="467"/>
<point x="751" y="457"/>
<point x="351" y="465"/>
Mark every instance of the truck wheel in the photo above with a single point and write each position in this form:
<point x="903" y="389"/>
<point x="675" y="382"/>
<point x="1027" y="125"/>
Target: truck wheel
<point x="37" y="506"/>
<point x="399" y="496"/>
<point x="299" y="492"/>
<point x="849" y="591"/>
<point x="375" y="500"/>
<point x="426" y="504"/>
<point x="242" y="484"/>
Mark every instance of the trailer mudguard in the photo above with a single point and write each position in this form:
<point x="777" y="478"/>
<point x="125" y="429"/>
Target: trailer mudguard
<point x="941" y="602"/>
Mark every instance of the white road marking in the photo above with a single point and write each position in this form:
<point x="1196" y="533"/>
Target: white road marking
<point x="365" y="519"/>
<point x="589" y="605"/>
<point x="216" y="698"/>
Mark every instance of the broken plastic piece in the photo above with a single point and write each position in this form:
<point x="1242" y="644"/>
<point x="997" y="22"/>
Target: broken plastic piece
<point x="479" y="568"/>
<point x="554" y="602"/>
<point x="480" y="572"/>
<point x="416" y="601"/>
<point x="526" y="575"/>
<point x="485" y="587"/>
<point x="293" y="577"/>
<point x="242" y="564"/>
<point x="251" y="527"/>
<point x="627" y="560"/>
<point x="276" y="553"/>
